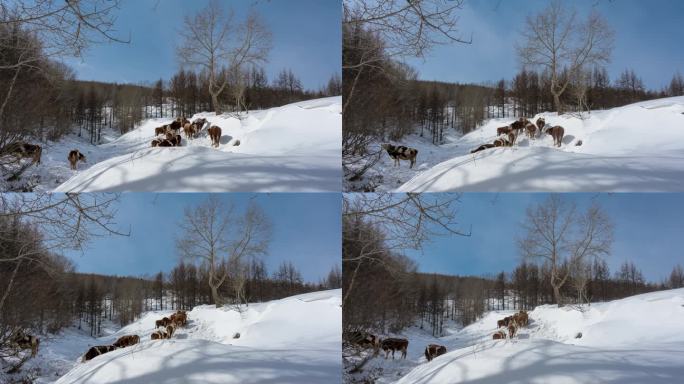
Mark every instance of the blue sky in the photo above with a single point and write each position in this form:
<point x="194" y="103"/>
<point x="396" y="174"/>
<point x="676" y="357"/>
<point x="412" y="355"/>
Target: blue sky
<point x="306" y="231"/>
<point x="648" y="231"/>
<point x="306" y="38"/>
<point x="648" y="39"/>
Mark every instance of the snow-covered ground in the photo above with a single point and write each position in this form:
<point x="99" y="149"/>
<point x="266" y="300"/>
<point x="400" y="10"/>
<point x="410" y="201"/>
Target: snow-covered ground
<point x="293" y="340"/>
<point x="294" y="148"/>
<point x="635" y="148"/>
<point x="639" y="339"/>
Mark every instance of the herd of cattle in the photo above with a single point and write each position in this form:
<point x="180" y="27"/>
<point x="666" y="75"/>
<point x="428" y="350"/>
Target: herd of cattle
<point x="166" y="136"/>
<point x="505" y="137"/>
<point x="512" y="323"/>
<point x="165" y="328"/>
<point x="169" y="135"/>
<point x="508" y="135"/>
<point x="392" y="344"/>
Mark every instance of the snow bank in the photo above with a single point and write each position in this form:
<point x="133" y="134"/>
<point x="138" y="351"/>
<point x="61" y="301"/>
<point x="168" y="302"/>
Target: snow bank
<point x="634" y="340"/>
<point x="294" y="148"/>
<point x="636" y="148"/>
<point x="293" y="340"/>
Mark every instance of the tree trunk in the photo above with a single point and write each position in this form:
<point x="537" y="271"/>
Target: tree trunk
<point x="557" y="295"/>
<point x="557" y="103"/>
<point x="218" y="300"/>
<point x="217" y="107"/>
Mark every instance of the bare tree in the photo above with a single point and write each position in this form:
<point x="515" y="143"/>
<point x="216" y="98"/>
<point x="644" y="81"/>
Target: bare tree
<point x="213" y="230"/>
<point x="580" y="276"/>
<point x="212" y="42"/>
<point x="65" y="222"/>
<point x="557" y="41"/>
<point x="410" y="28"/>
<point x="406" y="28"/>
<point x="34" y="33"/>
<point x="406" y="222"/>
<point x="254" y="43"/>
<point x="557" y="234"/>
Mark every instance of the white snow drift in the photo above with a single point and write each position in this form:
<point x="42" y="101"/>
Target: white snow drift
<point x="636" y="148"/>
<point x="294" y="340"/>
<point x="294" y="148"/>
<point x="639" y="339"/>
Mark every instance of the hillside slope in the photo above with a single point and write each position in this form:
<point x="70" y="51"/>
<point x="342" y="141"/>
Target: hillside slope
<point x="638" y="339"/>
<point x="294" y="148"/>
<point x="293" y="340"/>
<point x="638" y="147"/>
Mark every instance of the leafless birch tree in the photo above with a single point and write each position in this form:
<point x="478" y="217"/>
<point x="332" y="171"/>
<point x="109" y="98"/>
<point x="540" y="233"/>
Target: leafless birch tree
<point x="211" y="40"/>
<point x="556" y="233"/>
<point x="213" y="232"/>
<point x="558" y="41"/>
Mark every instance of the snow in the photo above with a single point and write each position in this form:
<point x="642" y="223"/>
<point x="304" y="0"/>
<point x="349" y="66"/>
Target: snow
<point x="635" y="148"/>
<point x="293" y="148"/>
<point x="638" y="339"/>
<point x="292" y="340"/>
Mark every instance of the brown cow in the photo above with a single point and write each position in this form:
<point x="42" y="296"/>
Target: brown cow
<point x="401" y="153"/>
<point x="519" y="124"/>
<point x="364" y="339"/>
<point x="74" y="157"/>
<point x="97" y="351"/>
<point x="189" y="130"/>
<point x="434" y="350"/>
<point x="25" y="341"/>
<point x="394" y="344"/>
<point x="503" y="130"/>
<point x="557" y="133"/>
<point x="160" y="130"/>
<point x="500" y="142"/>
<point x="531" y="130"/>
<point x="215" y="135"/>
<point x="500" y="323"/>
<point x="523" y="318"/>
<point x="482" y="148"/>
<point x="127" y="341"/>
<point x="499" y="335"/>
<point x="163" y="322"/>
<point x="512" y="329"/>
<point x="26" y="150"/>
<point x="199" y="124"/>
<point x="181" y="318"/>
<point x="159" y="335"/>
<point x="541" y="123"/>
<point x="171" y="329"/>
<point x="175" y="125"/>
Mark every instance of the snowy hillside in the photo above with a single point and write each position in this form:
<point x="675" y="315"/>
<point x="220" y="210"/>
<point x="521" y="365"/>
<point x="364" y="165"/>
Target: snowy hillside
<point x="293" y="340"/>
<point x="639" y="147"/>
<point x="296" y="147"/>
<point x="639" y="339"/>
